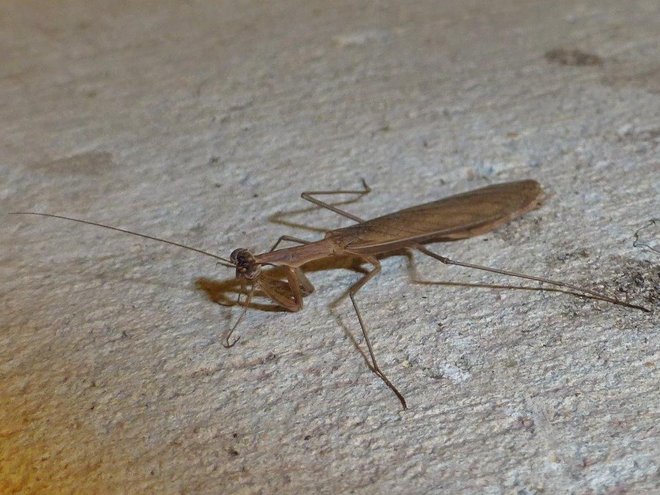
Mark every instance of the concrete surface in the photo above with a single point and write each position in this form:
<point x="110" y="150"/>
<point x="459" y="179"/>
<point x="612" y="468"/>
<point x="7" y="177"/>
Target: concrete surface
<point x="202" y="121"/>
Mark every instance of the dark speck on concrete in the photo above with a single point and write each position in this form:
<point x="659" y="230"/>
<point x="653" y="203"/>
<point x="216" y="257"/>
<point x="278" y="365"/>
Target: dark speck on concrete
<point x="572" y="57"/>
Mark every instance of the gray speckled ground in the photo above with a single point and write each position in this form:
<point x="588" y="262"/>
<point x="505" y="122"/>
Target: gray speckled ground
<point x="201" y="122"/>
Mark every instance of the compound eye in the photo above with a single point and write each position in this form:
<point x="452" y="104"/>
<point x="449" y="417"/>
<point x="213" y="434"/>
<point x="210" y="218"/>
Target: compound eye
<point x="234" y="255"/>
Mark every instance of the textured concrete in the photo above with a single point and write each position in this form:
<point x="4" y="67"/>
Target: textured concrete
<point x="202" y="122"/>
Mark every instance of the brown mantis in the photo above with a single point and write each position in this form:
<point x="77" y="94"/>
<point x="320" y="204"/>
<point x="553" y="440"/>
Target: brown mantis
<point x="456" y="217"/>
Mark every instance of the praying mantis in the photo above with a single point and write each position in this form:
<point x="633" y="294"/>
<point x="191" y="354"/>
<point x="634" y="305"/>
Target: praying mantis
<point x="461" y="216"/>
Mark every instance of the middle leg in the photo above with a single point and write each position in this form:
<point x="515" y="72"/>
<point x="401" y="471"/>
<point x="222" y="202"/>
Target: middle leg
<point x="372" y="363"/>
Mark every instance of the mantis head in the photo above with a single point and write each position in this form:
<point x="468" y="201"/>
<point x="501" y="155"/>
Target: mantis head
<point x="247" y="267"/>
